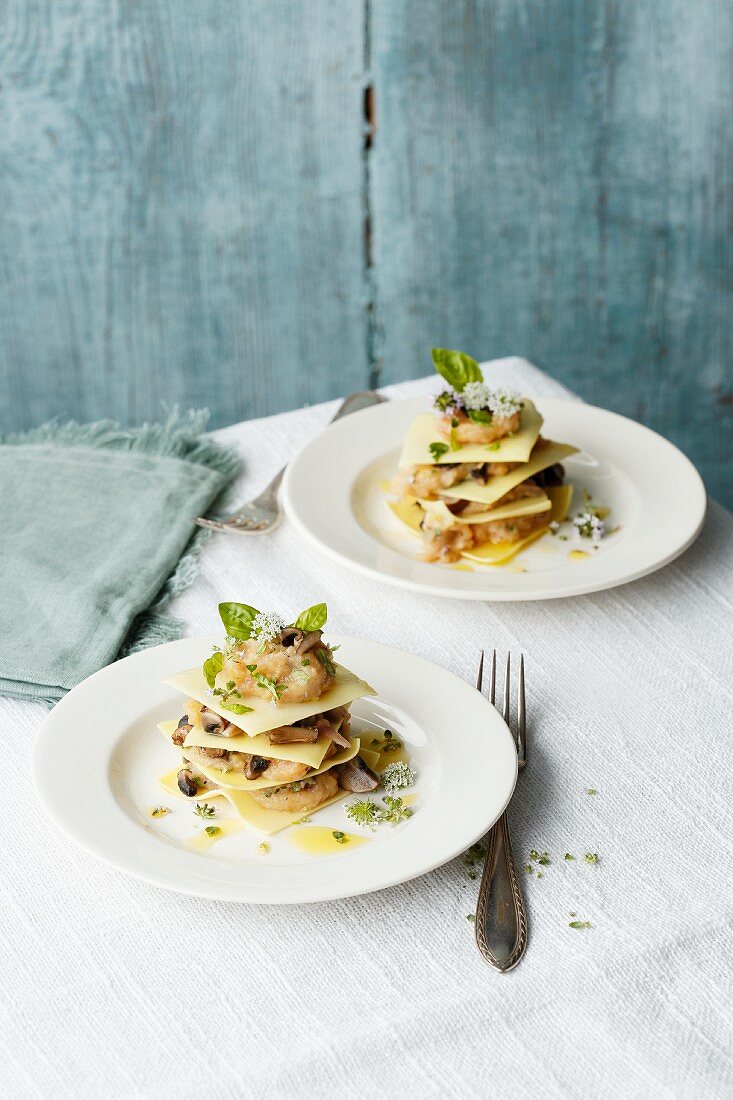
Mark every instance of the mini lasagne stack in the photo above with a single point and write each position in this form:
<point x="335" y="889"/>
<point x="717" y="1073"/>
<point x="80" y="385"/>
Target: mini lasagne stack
<point x="476" y="478"/>
<point x="266" y="721"/>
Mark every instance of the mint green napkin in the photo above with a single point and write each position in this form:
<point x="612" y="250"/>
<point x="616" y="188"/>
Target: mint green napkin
<point x="95" y="536"/>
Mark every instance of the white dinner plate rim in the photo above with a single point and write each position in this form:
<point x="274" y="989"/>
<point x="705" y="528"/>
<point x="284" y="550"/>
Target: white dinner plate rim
<point x="446" y="586"/>
<point x="94" y="842"/>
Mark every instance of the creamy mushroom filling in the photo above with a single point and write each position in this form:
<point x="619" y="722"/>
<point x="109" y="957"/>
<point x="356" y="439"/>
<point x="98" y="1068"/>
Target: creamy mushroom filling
<point x="294" y="787"/>
<point x="447" y="542"/>
<point x="296" y="666"/>
<point x="334" y="724"/>
<point x="461" y="428"/>
<point x="427" y="482"/>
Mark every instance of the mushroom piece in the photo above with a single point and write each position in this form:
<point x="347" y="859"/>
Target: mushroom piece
<point x="309" y="641"/>
<point x="186" y="783"/>
<point x="254" y="766"/>
<point x="552" y="475"/>
<point x="179" y="735"/>
<point x="325" y="729"/>
<point x="291" y="635"/>
<point x="213" y="754"/>
<point x="213" y="723"/>
<point x="285" y="735"/>
<point x="181" y="731"/>
<point x="356" y="777"/>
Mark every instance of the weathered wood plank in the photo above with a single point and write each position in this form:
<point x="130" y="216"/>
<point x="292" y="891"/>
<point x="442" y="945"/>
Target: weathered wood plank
<point x="181" y="207"/>
<point x="182" y="192"/>
<point x="552" y="178"/>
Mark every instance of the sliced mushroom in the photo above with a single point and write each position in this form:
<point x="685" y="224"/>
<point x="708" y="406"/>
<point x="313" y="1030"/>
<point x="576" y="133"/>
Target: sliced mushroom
<point x="309" y="641"/>
<point x="213" y="723"/>
<point x="213" y="754"/>
<point x="184" y="721"/>
<point x="291" y="635"/>
<point x="552" y="475"/>
<point x="336" y="715"/>
<point x="186" y="783"/>
<point x="325" y="729"/>
<point x="285" y="735"/>
<point x="355" y="776"/>
<point x="179" y="735"/>
<point x="479" y="473"/>
<point x="254" y="766"/>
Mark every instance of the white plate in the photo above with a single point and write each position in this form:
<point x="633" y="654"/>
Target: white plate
<point x="98" y="756"/>
<point x="334" y="494"/>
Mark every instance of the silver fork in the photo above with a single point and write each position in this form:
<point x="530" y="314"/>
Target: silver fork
<point x="263" y="512"/>
<point x="501" y="918"/>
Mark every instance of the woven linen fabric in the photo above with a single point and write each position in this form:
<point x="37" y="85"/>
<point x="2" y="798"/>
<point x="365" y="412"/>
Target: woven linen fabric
<point x="114" y="988"/>
<point x="95" y="522"/>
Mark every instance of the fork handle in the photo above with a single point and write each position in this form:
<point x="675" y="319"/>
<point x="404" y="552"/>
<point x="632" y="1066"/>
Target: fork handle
<point x="353" y="403"/>
<point x="501" y="919"/>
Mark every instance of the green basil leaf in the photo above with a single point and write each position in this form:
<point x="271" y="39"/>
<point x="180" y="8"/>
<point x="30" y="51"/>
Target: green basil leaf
<point x="326" y="661"/>
<point x="313" y="618"/>
<point x="479" y="416"/>
<point x="236" y="708"/>
<point x="211" y="667"/>
<point x="456" y="368"/>
<point x="238" y="619"/>
<point x="437" y="450"/>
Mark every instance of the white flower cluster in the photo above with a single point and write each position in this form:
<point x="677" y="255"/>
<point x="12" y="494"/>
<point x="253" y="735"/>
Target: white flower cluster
<point x="590" y="526"/>
<point x="397" y="776"/>
<point x="266" y="625"/>
<point x="504" y="402"/>
<point x="476" y="395"/>
<point x="501" y="402"/>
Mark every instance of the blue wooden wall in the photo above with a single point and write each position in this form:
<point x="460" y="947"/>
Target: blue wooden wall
<point x="192" y="208"/>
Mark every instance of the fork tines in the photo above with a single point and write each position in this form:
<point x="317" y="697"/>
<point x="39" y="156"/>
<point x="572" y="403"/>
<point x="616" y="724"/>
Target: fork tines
<point x="521" y="727"/>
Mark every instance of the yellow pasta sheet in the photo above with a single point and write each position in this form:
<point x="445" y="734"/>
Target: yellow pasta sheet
<point x="270" y="821"/>
<point x="499" y="553"/>
<point x="516" y="448"/>
<point x="496" y="553"/>
<point x="312" y="755"/>
<point x="264" y="714"/>
<point x="560" y="498"/>
<point x="411" y="510"/>
<point x="244" y="806"/>
<point x="251" y="812"/>
<point x="437" y="510"/>
<point x="545" y="454"/>
<point x="239" y="782"/>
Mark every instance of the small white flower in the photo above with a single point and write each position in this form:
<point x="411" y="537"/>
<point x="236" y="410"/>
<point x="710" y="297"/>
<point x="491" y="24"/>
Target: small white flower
<point x="397" y="776"/>
<point x="266" y="625"/>
<point x="589" y="526"/>
<point x="504" y="402"/>
<point x="554" y="526"/>
<point x="476" y="395"/>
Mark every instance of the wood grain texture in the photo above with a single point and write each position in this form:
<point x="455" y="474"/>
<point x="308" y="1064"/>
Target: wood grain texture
<point x="553" y="178"/>
<point x="181" y="207"/>
<point x="184" y="186"/>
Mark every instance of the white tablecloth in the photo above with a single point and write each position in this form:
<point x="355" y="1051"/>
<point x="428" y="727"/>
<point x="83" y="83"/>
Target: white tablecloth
<point x="112" y="988"/>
